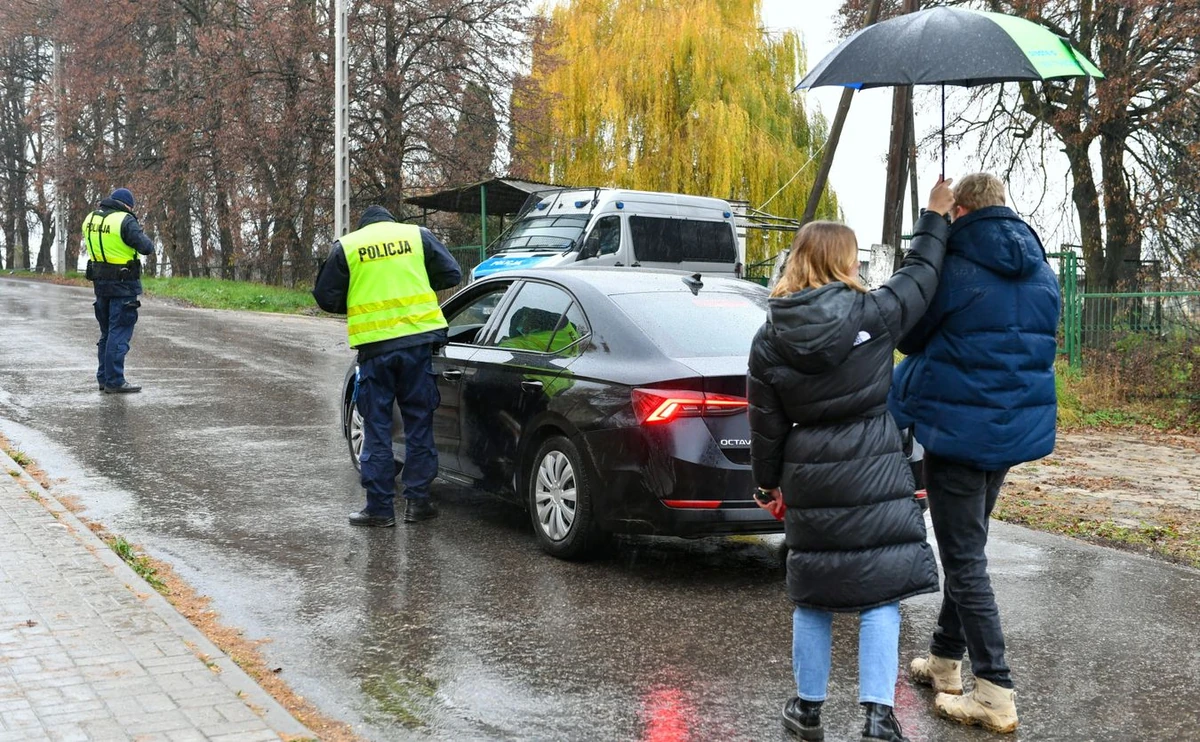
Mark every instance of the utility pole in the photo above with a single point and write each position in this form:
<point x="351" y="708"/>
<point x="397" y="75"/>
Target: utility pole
<point x="341" y="123"/>
<point x="897" y="161"/>
<point x="835" y="135"/>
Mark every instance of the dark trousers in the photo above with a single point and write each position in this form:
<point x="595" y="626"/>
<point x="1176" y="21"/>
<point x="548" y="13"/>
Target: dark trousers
<point x="404" y="378"/>
<point x="116" y="315"/>
<point x="961" y="499"/>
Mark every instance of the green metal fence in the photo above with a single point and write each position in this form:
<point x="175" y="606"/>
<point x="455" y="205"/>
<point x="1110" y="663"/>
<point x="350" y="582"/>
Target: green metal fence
<point x="760" y="272"/>
<point x="1146" y="334"/>
<point x="1068" y="280"/>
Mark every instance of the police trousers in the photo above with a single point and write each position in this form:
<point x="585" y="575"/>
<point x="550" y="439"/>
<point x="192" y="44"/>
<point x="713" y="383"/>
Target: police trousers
<point x="116" y="316"/>
<point x="402" y="378"/>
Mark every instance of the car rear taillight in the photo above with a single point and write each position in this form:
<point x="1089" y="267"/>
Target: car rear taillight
<point x="664" y="405"/>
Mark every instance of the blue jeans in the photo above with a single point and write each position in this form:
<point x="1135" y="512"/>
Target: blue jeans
<point x="878" y="653"/>
<point x="402" y="377"/>
<point x="116" y="315"/>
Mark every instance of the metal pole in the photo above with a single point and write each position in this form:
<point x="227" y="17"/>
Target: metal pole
<point x="341" y="123"/>
<point x="482" y="223"/>
<point x="914" y="194"/>
<point x="835" y="135"/>
<point x="60" y="201"/>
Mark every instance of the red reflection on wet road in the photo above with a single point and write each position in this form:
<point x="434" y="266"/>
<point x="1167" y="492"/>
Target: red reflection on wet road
<point x="667" y="715"/>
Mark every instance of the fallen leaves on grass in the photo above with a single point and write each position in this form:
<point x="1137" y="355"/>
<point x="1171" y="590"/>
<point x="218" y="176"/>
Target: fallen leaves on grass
<point x="1174" y="532"/>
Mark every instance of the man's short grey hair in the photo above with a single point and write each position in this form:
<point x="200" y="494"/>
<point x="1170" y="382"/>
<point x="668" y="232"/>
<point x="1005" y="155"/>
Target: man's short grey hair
<point x="979" y="191"/>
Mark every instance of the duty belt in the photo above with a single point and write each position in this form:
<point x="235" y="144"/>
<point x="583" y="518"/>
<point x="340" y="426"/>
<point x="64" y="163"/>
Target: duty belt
<point x="97" y="271"/>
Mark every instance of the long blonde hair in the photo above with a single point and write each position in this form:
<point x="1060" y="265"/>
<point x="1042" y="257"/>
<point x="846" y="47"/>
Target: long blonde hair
<point x="822" y="252"/>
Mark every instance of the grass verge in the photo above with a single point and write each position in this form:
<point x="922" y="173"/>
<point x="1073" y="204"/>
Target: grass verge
<point x="195" y="608"/>
<point x="1097" y="400"/>
<point x="208" y="293"/>
<point x="1173" y="534"/>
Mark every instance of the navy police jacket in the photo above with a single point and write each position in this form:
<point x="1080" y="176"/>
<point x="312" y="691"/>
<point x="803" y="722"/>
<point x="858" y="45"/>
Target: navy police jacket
<point x="978" y="383"/>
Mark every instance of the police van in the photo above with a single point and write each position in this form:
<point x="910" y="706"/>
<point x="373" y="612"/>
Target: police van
<point x="620" y="228"/>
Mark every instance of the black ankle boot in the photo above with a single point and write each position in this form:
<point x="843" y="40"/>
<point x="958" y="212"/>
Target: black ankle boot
<point x="881" y="724"/>
<point x="803" y="718"/>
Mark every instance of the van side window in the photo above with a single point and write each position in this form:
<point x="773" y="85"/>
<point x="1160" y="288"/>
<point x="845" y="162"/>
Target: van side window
<point x="605" y="238"/>
<point x="660" y="240"/>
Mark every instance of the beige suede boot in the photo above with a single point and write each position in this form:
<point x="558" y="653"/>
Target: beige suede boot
<point x="988" y="705"/>
<point x="945" y="676"/>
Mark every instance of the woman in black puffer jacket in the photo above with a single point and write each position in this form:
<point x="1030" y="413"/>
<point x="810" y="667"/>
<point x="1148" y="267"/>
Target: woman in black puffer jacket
<point x="824" y="445"/>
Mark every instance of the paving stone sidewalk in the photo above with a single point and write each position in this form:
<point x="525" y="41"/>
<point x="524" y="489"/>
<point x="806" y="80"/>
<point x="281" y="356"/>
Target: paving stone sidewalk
<point x="89" y="651"/>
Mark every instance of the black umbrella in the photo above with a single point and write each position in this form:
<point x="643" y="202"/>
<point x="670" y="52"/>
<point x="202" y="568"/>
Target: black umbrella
<point x="949" y="46"/>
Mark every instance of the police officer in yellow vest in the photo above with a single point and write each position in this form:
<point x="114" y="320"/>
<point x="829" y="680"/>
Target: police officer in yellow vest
<point x="113" y="239"/>
<point x="383" y="276"/>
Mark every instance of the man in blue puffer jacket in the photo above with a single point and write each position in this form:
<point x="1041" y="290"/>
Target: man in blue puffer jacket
<point x="977" y="388"/>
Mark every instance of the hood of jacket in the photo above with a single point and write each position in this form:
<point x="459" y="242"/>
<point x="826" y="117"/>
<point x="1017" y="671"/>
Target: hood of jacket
<point x="375" y="214"/>
<point x="997" y="239"/>
<point x="816" y="327"/>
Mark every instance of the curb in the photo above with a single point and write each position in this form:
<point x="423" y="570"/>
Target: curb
<point x="231" y="675"/>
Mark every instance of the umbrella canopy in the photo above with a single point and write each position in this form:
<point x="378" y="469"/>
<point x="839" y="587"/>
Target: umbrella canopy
<point x="949" y="46"/>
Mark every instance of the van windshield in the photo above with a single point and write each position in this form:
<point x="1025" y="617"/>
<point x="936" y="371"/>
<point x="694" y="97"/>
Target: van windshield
<point x="544" y="233"/>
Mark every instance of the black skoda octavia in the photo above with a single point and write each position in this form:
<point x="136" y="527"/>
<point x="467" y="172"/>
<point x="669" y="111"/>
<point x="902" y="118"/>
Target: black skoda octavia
<point x="603" y="400"/>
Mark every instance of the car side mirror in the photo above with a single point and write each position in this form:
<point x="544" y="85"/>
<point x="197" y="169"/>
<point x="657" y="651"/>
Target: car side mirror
<point x="590" y="249"/>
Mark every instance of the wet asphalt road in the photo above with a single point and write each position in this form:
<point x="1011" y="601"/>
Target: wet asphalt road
<point x="231" y="466"/>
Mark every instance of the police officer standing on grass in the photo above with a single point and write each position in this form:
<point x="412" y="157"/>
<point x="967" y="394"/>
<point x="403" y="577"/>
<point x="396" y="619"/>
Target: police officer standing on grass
<point x="383" y="276"/>
<point x="113" y="239"/>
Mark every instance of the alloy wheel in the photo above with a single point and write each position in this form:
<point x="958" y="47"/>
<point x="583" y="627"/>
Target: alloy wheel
<point x="356" y="433"/>
<point x="555" y="495"/>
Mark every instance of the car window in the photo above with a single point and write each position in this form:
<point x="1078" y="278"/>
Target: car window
<point x="570" y="329"/>
<point x="533" y="318"/>
<point x="605" y="238"/>
<point x="662" y="240"/>
<point x="713" y="323"/>
<point x="466" y="322"/>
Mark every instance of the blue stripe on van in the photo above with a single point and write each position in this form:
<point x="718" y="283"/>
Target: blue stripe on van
<point x="498" y="263"/>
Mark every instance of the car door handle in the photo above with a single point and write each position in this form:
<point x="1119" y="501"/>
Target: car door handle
<point x="531" y="386"/>
<point x="452" y="374"/>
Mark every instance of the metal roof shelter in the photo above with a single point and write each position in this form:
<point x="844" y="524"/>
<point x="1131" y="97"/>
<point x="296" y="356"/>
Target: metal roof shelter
<point x="496" y="197"/>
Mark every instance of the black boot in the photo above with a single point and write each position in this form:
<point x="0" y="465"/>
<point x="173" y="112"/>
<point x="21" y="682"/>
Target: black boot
<point x="803" y="718"/>
<point x="363" y="518"/>
<point x="418" y="509"/>
<point x="881" y="724"/>
<point x="124" y="388"/>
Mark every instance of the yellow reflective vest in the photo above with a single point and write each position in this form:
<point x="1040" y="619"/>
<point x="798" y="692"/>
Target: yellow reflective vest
<point x="389" y="295"/>
<point x="102" y="234"/>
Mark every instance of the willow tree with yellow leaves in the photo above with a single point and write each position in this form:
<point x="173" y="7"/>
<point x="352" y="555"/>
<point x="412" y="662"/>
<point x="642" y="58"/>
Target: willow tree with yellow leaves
<point x="688" y="96"/>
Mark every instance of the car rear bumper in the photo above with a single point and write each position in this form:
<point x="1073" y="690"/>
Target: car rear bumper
<point x="648" y="482"/>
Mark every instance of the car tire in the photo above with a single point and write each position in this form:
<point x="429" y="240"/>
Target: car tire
<point x="558" y="495"/>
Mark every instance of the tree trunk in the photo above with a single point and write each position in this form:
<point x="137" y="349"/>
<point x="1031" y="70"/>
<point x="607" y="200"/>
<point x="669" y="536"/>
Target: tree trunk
<point x="224" y="228"/>
<point x="1087" y="202"/>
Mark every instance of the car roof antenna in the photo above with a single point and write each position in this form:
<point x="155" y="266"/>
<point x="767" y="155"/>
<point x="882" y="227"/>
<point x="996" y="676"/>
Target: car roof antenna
<point x="694" y="283"/>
